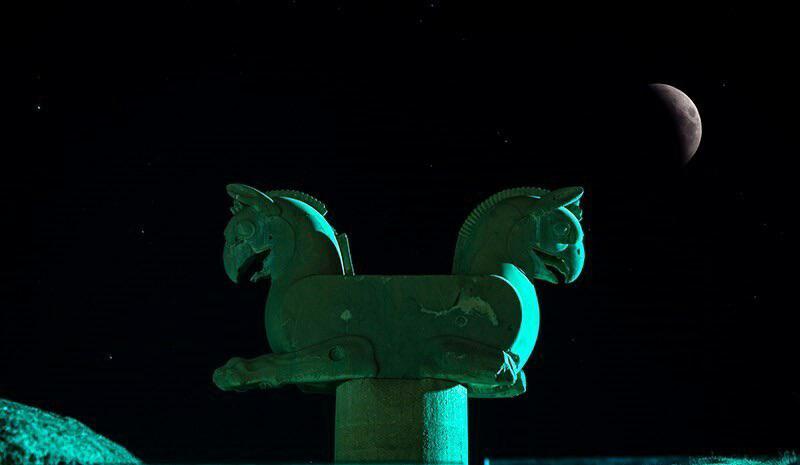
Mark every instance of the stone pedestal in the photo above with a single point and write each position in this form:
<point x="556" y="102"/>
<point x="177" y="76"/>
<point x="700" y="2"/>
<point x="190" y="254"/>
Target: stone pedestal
<point x="401" y="420"/>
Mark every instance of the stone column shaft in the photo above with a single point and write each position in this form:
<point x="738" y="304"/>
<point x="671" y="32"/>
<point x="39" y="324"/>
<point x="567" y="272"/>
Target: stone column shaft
<point x="401" y="420"/>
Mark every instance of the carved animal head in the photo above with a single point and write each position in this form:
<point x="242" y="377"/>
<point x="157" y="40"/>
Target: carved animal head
<point x="271" y="228"/>
<point x="251" y="234"/>
<point x="537" y="230"/>
<point x="549" y="237"/>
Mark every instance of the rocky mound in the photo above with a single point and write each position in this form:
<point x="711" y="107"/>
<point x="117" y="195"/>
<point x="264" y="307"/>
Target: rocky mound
<point x="29" y="436"/>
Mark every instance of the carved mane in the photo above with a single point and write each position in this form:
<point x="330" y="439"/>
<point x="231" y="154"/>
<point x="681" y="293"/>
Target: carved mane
<point x="484" y="207"/>
<point x="314" y="202"/>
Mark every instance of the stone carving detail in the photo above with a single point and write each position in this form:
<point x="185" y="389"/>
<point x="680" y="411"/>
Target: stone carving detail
<point x="325" y="324"/>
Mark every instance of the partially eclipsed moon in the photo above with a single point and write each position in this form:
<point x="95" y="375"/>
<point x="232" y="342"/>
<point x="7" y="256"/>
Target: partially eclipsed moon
<point x="685" y="117"/>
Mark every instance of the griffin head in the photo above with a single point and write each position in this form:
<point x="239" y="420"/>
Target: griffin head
<point x="549" y="237"/>
<point x="251" y="234"/>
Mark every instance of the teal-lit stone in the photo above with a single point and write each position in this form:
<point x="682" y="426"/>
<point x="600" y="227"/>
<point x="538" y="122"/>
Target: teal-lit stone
<point x="398" y="420"/>
<point x="325" y="324"/>
<point x="29" y="436"/>
<point x="402" y="353"/>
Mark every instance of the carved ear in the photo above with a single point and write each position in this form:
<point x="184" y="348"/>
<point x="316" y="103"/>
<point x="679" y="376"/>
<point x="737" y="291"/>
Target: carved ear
<point x="252" y="197"/>
<point x="559" y="198"/>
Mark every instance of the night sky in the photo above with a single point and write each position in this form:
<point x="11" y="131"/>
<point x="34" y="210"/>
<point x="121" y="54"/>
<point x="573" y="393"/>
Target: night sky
<point x="679" y="338"/>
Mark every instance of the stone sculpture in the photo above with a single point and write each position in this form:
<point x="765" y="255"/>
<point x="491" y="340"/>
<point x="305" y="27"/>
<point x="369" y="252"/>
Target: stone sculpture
<point x="472" y="330"/>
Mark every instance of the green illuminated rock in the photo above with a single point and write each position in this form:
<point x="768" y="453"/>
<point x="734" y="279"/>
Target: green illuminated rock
<point x="788" y="458"/>
<point x="29" y="436"/>
<point x="475" y="328"/>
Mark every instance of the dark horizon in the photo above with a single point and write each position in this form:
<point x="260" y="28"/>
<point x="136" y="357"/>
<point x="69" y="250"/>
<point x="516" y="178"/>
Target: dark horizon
<point x="679" y="339"/>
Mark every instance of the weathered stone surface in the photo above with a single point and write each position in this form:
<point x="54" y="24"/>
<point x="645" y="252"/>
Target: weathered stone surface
<point x="402" y="353"/>
<point x="476" y="327"/>
<point x="29" y="436"/>
<point x="401" y="421"/>
<point x="788" y="458"/>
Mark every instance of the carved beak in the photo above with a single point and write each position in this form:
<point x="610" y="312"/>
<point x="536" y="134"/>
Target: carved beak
<point x="239" y="260"/>
<point x="229" y="260"/>
<point x="568" y="263"/>
<point x="572" y="257"/>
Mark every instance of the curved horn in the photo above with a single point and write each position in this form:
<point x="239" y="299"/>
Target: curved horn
<point x="254" y="198"/>
<point x="559" y="198"/>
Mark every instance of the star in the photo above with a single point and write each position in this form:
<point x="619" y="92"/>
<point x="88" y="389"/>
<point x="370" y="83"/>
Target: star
<point x="502" y="135"/>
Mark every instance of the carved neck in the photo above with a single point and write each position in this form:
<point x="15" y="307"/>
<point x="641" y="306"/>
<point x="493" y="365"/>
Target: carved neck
<point x="310" y="250"/>
<point x="486" y="250"/>
<point x="484" y="261"/>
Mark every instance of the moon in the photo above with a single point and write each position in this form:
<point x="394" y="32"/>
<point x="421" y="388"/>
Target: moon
<point x="684" y="116"/>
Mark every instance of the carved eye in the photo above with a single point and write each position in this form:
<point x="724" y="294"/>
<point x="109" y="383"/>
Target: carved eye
<point x="245" y="229"/>
<point x="561" y="229"/>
